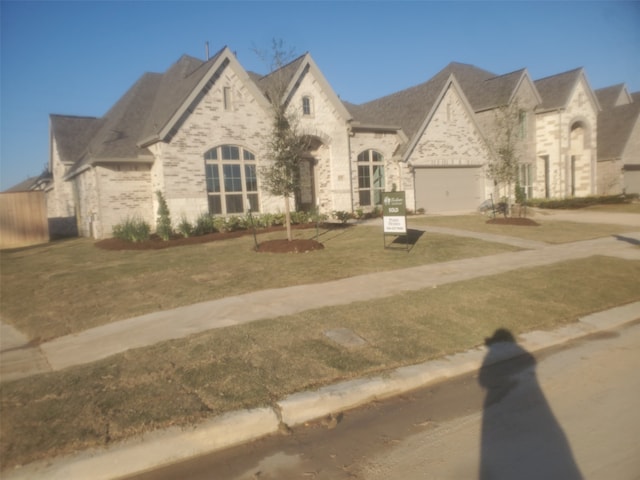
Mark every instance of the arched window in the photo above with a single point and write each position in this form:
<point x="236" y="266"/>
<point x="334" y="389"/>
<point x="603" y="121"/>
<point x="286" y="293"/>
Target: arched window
<point x="232" y="180"/>
<point x="370" y="178"/>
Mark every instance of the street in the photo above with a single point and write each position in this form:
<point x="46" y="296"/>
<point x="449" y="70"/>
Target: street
<point x="568" y="412"/>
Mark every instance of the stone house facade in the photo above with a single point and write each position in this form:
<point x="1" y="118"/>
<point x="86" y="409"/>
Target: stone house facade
<point x="198" y="134"/>
<point x="618" y="141"/>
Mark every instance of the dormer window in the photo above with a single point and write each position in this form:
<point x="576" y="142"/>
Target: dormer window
<point x="307" y="106"/>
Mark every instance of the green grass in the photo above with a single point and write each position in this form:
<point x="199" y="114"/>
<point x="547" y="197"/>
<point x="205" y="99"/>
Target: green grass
<point x="185" y="381"/>
<point x="69" y="286"/>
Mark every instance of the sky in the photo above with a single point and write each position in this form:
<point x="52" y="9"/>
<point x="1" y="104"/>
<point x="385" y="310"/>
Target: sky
<point x="80" y="57"/>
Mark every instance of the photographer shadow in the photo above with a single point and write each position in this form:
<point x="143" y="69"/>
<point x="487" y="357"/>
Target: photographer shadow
<point x="521" y="437"/>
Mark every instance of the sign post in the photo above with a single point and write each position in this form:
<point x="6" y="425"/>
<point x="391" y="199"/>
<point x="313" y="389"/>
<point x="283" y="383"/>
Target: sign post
<point x="394" y="215"/>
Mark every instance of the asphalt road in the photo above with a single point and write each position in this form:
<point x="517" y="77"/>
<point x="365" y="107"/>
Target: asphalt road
<point x="569" y="412"/>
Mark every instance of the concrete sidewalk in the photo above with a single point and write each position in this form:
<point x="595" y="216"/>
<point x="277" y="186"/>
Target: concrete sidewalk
<point x="104" y="341"/>
<point x="175" y="444"/>
<point x="165" y="447"/>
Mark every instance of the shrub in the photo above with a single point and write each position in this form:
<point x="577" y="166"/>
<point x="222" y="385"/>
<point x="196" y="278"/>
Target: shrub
<point x="233" y="224"/>
<point x="132" y="230"/>
<point x="300" y="217"/>
<point x="185" y="228"/>
<point x="163" y="228"/>
<point x="579" y="202"/>
<point x="205" y="224"/>
<point x="342" y="216"/>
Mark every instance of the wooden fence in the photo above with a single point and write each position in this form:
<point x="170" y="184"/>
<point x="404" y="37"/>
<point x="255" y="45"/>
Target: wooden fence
<point x="23" y="219"/>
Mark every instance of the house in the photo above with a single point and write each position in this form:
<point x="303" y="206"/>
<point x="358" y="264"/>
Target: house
<point x="197" y="133"/>
<point x="566" y="136"/>
<point x="618" y="141"/>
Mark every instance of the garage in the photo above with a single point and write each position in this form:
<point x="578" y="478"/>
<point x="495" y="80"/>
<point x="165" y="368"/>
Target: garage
<point x="632" y="178"/>
<point x="448" y="189"/>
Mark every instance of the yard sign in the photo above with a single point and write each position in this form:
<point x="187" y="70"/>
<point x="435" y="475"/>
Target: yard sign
<point x="394" y="214"/>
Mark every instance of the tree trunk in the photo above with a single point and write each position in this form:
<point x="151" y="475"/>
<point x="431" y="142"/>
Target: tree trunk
<point x="287" y="217"/>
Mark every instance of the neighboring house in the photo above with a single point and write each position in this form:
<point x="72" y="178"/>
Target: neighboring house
<point x="618" y="141"/>
<point x="566" y="136"/>
<point x="198" y="131"/>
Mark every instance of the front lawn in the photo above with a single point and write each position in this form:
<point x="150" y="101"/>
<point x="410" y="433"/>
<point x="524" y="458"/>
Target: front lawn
<point x="69" y="286"/>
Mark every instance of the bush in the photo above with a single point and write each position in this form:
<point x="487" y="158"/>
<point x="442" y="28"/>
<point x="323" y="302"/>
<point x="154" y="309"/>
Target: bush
<point x="205" y="224"/>
<point x="300" y="218"/>
<point x="342" y="216"/>
<point x="163" y="228"/>
<point x="132" y="230"/>
<point x="579" y="202"/>
<point x="185" y="228"/>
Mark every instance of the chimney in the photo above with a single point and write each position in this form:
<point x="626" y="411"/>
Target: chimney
<point x="206" y="49"/>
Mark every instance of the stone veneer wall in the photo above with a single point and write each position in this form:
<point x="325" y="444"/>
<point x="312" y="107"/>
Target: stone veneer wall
<point x="553" y="140"/>
<point x="525" y="145"/>
<point x="179" y="171"/>
<point x="451" y="138"/>
<point x="332" y="172"/>
<point x="124" y="193"/>
<point x="86" y="196"/>
<point x="60" y="200"/>
<point x="610" y="177"/>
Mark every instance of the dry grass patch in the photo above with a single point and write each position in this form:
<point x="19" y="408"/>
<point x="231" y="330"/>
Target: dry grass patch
<point x="184" y="381"/>
<point x="548" y="231"/>
<point x="66" y="287"/>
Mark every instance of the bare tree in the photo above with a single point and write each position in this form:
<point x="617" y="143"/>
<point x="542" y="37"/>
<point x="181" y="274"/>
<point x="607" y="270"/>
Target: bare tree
<point x="285" y="145"/>
<point x="503" y="169"/>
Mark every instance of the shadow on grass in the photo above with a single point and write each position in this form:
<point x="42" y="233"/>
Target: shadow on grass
<point x="406" y="242"/>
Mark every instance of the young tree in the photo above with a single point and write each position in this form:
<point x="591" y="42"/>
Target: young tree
<point x="503" y="169"/>
<point x="285" y="146"/>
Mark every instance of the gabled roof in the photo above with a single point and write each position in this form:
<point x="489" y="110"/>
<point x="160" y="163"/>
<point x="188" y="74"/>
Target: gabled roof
<point x="174" y="87"/>
<point x="23" y="186"/>
<point x="615" y="126"/>
<point x="72" y="134"/>
<point x="483" y="90"/>
<point x="121" y="127"/>
<point x="280" y="79"/>
<point x="613" y="96"/>
<point x="288" y="78"/>
<point x="145" y="114"/>
<point x="405" y="109"/>
<point x="556" y="90"/>
<point x="32" y="183"/>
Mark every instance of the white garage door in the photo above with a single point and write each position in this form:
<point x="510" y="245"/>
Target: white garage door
<point x="450" y="189"/>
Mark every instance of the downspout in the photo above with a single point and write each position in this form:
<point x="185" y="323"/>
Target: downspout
<point x="98" y="214"/>
<point x="349" y="135"/>
<point x="561" y="170"/>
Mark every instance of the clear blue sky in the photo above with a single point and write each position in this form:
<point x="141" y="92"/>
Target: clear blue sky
<point x="79" y="57"/>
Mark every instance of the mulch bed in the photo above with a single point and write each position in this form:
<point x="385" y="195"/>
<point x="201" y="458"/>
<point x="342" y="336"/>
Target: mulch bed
<point x="269" y="246"/>
<point x="521" y="221"/>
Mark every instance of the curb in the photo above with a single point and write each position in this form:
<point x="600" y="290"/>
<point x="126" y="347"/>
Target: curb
<point x="173" y="445"/>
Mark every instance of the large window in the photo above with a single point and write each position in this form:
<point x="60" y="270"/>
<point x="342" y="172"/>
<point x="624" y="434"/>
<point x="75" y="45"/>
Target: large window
<point x="370" y="178"/>
<point x="232" y="180"/>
